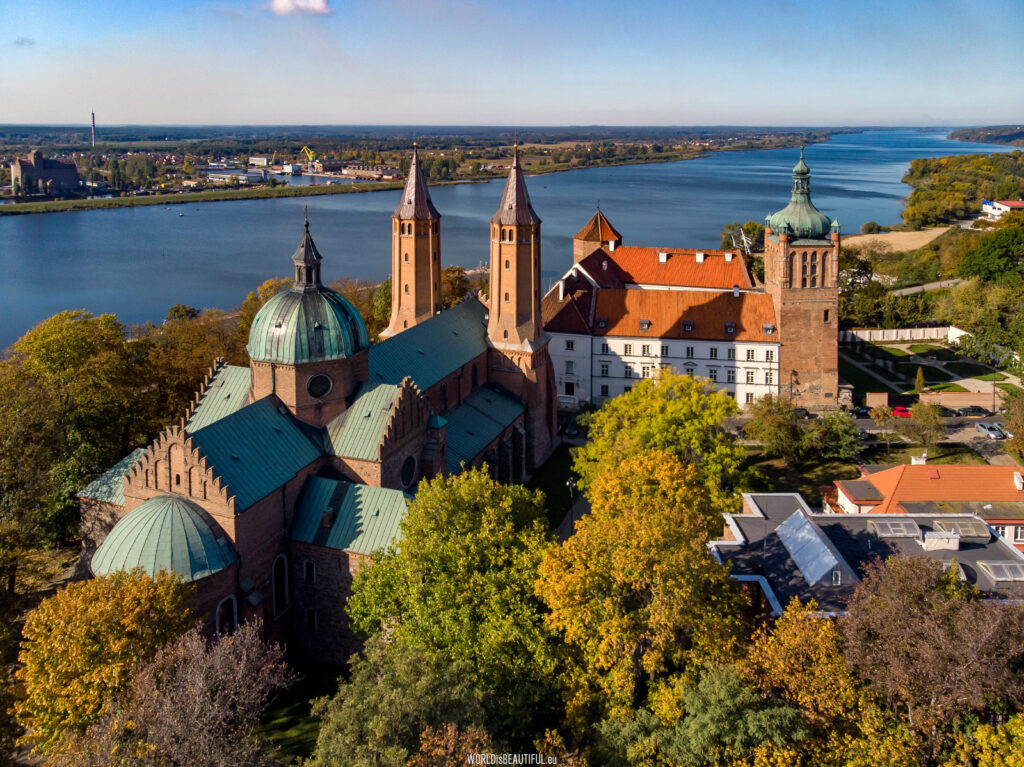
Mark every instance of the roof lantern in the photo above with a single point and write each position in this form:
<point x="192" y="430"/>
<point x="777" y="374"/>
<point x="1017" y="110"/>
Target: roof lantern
<point x="800" y="218"/>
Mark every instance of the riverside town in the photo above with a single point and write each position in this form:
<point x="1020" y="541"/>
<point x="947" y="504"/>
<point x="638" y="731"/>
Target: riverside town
<point x="393" y="386"/>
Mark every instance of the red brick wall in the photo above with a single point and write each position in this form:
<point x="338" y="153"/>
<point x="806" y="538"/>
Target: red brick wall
<point x="288" y="382"/>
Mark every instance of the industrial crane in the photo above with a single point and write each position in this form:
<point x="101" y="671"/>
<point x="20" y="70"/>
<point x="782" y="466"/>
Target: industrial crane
<point x="310" y="156"/>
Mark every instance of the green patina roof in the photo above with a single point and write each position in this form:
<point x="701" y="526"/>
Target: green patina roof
<point x="109" y="486"/>
<point x="227" y="392"/>
<point x="800" y="218"/>
<point x="169" y="533"/>
<point x="305" y="326"/>
<point x="255" y="450"/>
<point x="477" y="422"/>
<point x="357" y="432"/>
<point x="346" y="516"/>
<point x="431" y="350"/>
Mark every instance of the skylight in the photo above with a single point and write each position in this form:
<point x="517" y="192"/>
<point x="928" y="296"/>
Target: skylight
<point x="895" y="528"/>
<point x="1006" y="572"/>
<point x="813" y="553"/>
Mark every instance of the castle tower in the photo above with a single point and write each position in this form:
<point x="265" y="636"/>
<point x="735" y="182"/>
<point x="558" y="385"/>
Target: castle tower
<point x="308" y="345"/>
<point x="598" y="232"/>
<point x="801" y="269"/>
<point x="416" y="255"/>
<point x="519" y="358"/>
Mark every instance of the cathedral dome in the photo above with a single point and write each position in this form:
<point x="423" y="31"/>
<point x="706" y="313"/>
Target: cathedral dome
<point x="309" y="322"/>
<point x="169" y="533"/>
<point x="800" y="219"/>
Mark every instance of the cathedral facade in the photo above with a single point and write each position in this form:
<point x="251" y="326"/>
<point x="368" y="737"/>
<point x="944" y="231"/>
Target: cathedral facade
<point x="286" y="475"/>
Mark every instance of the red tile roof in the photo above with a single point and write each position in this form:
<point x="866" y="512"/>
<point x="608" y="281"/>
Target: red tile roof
<point x="598" y="229"/>
<point x="681" y="268"/>
<point x="666" y="310"/>
<point x="942" y="482"/>
<point x="570" y="314"/>
<point x="1012" y="203"/>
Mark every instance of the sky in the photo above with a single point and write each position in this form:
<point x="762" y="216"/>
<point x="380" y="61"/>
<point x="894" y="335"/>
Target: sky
<point x="517" y="62"/>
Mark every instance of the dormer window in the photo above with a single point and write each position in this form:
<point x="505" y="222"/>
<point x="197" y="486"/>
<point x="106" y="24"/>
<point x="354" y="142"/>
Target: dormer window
<point x="602" y="322"/>
<point x="687" y="326"/>
<point x="730" y="327"/>
<point x="645" y="324"/>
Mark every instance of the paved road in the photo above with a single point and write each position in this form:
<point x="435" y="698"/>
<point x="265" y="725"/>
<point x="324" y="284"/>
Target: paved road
<point x="926" y="287"/>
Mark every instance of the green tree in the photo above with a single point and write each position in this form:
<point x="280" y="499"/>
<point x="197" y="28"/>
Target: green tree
<point x="461" y="584"/>
<point x="870" y="227"/>
<point x="925" y="424"/>
<point x="634" y="591"/>
<point x="182" y="312"/>
<point x="382" y="303"/>
<point x="774" y="423"/>
<point x="81" y="645"/>
<point x="919" y="386"/>
<point x="884" y="419"/>
<point x="395" y="692"/>
<point x="673" y="412"/>
<point x="835" y="435"/>
<point x="998" y="257"/>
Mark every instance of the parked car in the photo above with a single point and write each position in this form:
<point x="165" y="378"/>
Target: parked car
<point x="973" y="410"/>
<point x="860" y="411"/>
<point x="901" y="412"/>
<point x="990" y="430"/>
<point x="801" y="412"/>
<point x="946" y="412"/>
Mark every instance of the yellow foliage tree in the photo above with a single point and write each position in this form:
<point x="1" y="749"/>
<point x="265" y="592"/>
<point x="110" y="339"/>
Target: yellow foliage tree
<point x="635" y="592"/>
<point x="995" y="746"/>
<point x="81" y="645"/>
<point x="799" y="660"/>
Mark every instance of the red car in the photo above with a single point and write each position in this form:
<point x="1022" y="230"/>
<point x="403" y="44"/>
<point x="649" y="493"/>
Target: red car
<point x="901" y="412"/>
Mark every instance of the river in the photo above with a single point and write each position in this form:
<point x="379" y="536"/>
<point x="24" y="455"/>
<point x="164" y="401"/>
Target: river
<point x="136" y="262"/>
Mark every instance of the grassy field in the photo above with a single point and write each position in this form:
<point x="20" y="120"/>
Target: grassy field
<point x="969" y="370"/>
<point x="931" y="374"/>
<point x="287" y="726"/>
<point x="806" y="477"/>
<point x="552" y="478"/>
<point x="892" y="351"/>
<point x="862" y="382"/>
<point x="944" y="452"/>
<point x="944" y="386"/>
<point x="1009" y="388"/>
<point x="992" y="377"/>
<point x="936" y="352"/>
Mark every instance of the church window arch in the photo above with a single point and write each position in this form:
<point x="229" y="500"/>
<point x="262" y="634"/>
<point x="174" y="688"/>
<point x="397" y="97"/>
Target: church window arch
<point x="507" y="264"/>
<point x="406" y="258"/>
<point x="506" y="297"/>
<point x="407" y="288"/>
<point x="177" y="480"/>
<point x="227" y="616"/>
<point x="280" y="583"/>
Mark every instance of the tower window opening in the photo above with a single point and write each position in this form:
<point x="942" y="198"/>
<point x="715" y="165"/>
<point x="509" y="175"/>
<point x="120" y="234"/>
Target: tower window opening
<point x="506" y="297"/>
<point x="407" y="288"/>
<point x="505" y="335"/>
<point x="406" y="258"/>
<point x="177" y="479"/>
<point x="507" y="264"/>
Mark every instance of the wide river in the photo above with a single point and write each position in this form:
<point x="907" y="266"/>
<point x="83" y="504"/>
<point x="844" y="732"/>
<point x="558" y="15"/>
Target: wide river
<point x="136" y="262"/>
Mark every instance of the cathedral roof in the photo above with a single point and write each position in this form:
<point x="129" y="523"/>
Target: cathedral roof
<point x="226" y="392"/>
<point x="357" y="432"/>
<point x="431" y="350"/>
<point x="109" y="486"/>
<point x="168" y="533"/>
<point x="308" y="322"/>
<point x="800" y="219"/>
<point x="416" y="201"/>
<point x="476" y="422"/>
<point x="598" y="229"/>
<point x="342" y="515"/>
<point x="515" y="208"/>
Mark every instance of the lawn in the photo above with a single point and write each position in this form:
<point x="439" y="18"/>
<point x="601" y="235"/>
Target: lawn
<point x="931" y="374"/>
<point x="806" y="477"/>
<point x="944" y="452"/>
<point x="893" y="352"/>
<point x="861" y="381"/>
<point x="936" y="352"/>
<point x="992" y="377"/>
<point x="946" y="387"/>
<point x="552" y="478"/>
<point x="1009" y="388"/>
<point x="287" y="725"/>
<point x="967" y="369"/>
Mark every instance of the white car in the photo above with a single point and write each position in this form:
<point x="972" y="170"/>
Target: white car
<point x="990" y="430"/>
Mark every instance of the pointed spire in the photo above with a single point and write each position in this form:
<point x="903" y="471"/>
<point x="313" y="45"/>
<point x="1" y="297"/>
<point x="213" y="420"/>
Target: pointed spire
<point x="515" y="208"/>
<point x="307" y="261"/>
<point x="416" y="201"/>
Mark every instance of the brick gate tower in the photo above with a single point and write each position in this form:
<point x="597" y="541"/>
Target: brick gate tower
<point x="518" y="359"/>
<point x="416" y="255"/>
<point x="801" y="269"/>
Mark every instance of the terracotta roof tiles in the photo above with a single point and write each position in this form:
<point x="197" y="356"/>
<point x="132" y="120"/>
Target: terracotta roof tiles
<point x="719" y="269"/>
<point x="598" y="229"/>
<point x="943" y="482"/>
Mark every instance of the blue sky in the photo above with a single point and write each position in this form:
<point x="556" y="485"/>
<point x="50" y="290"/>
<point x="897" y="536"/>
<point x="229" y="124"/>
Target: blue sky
<point x="778" y="62"/>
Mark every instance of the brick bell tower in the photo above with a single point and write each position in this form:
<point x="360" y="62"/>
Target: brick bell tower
<point x="518" y="359"/>
<point x="416" y="255"/>
<point x="801" y="269"/>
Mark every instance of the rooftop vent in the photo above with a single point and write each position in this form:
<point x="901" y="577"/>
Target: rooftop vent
<point x="1018" y="480"/>
<point x="611" y="246"/>
<point x="728" y="257"/>
<point x="700" y="256"/>
<point x="662" y="257"/>
<point x="735" y="291"/>
<point x="938" y="540"/>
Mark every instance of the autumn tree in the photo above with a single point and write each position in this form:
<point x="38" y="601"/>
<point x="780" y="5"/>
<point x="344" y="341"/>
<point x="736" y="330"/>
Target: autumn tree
<point x="461" y="584"/>
<point x="884" y="419"/>
<point x="80" y="646"/>
<point x="450" y="744"/>
<point x="925" y="424"/>
<point x="677" y="413"/>
<point x="922" y="641"/>
<point x="454" y="285"/>
<point x="197" y="703"/>
<point x="398" y="700"/>
<point x="774" y="423"/>
<point x="919" y="384"/>
<point x="999" y="745"/>
<point x="634" y="591"/>
<point x="253" y="303"/>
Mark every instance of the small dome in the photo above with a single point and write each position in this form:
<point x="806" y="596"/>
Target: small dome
<point x="801" y="219"/>
<point x="299" y="325"/>
<point x="169" y="533"/>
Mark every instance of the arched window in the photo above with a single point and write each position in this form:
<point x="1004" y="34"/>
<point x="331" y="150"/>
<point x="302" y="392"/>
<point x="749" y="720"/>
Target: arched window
<point x="506" y="263"/>
<point x="506" y="335"/>
<point x="280" y="577"/>
<point x="506" y="297"/>
<point x="407" y="288"/>
<point x="227" y="616"/>
<point x="177" y="479"/>
<point x="406" y="258"/>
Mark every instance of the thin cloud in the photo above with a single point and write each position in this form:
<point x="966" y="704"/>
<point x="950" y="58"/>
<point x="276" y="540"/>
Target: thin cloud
<point x="24" y="42"/>
<point x="291" y="7"/>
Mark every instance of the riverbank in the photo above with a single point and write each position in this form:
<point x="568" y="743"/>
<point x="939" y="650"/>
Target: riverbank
<point x="228" y="195"/>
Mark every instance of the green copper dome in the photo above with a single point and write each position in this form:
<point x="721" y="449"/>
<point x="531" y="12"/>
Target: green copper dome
<point x="800" y="219"/>
<point x="309" y="322"/>
<point x="167" y="532"/>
